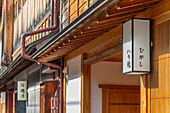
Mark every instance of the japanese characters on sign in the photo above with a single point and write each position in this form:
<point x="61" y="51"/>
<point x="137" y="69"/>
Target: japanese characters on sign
<point x="22" y="90"/>
<point x="141" y="57"/>
<point x="128" y="59"/>
<point x="136" y="46"/>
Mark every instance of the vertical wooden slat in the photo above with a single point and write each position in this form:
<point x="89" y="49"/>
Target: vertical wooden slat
<point x="9" y="102"/>
<point x="38" y="9"/>
<point x="104" y="100"/>
<point x="148" y="94"/>
<point x="29" y="14"/>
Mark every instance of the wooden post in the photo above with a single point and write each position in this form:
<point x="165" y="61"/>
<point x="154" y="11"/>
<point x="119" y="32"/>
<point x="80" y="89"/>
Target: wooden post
<point x="9" y="102"/>
<point x="86" y="86"/>
<point x="145" y="93"/>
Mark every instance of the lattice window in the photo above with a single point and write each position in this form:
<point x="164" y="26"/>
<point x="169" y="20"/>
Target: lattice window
<point x="33" y="103"/>
<point x="71" y="9"/>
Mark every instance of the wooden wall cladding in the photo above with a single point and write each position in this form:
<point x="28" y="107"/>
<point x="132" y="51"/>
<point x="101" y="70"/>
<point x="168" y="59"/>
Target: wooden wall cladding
<point x="33" y="15"/>
<point x="2" y="107"/>
<point x="120" y="99"/>
<point x="160" y="76"/>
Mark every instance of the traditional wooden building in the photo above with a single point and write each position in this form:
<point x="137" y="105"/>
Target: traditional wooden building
<point x="69" y="54"/>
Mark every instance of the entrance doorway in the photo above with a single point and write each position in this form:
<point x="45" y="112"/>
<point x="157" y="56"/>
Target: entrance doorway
<point x="111" y="91"/>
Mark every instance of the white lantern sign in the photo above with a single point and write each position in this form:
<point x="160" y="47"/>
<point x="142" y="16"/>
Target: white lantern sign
<point x="22" y="91"/>
<point x="136" y="46"/>
<point x="3" y="97"/>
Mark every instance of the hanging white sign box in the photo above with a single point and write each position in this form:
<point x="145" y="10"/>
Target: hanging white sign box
<point x="3" y="97"/>
<point x="22" y="91"/>
<point x="136" y="46"/>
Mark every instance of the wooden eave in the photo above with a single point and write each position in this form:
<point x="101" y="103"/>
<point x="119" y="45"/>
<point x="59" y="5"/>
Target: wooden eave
<point x="110" y="15"/>
<point x="15" y="68"/>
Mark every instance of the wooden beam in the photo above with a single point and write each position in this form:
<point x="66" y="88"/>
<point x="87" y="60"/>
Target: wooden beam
<point x="117" y="58"/>
<point x="104" y="55"/>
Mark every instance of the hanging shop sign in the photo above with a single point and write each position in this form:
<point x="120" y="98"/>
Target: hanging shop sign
<point x="136" y="46"/>
<point x="3" y="97"/>
<point x="22" y="91"/>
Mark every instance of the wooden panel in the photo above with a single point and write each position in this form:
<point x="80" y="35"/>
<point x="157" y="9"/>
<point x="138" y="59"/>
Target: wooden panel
<point x="47" y="91"/>
<point x="123" y="96"/>
<point x="72" y="17"/>
<point x="29" y="13"/>
<point x="10" y="102"/>
<point x="124" y="108"/>
<point x="73" y="7"/>
<point x="160" y="105"/>
<point x="20" y="24"/>
<point x="83" y="8"/>
<point x="161" y="41"/>
<point x="25" y="17"/>
<point x="160" y="76"/>
<point x="3" y="108"/>
<point x="15" y="31"/>
<point x="120" y="99"/>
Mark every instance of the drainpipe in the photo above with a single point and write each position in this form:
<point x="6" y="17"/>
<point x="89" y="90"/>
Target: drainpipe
<point x="28" y="57"/>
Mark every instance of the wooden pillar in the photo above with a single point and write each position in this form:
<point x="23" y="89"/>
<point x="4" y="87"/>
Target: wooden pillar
<point x="86" y="86"/>
<point x="145" y="93"/>
<point x="9" y="102"/>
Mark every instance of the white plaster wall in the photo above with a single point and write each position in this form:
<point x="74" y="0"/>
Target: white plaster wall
<point x="108" y="73"/>
<point x="73" y="88"/>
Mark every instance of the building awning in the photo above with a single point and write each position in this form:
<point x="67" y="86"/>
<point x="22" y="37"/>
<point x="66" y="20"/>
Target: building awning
<point x="94" y="22"/>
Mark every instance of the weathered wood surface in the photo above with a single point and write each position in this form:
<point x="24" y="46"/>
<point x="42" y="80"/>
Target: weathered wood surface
<point x="33" y="15"/>
<point x="46" y="92"/>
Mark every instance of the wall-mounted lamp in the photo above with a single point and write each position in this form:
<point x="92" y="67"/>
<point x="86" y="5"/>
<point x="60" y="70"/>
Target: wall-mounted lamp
<point x="136" y="46"/>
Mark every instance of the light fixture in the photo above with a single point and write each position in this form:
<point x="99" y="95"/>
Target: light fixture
<point x="136" y="46"/>
<point x="69" y="40"/>
<point x="82" y="31"/>
<point x="107" y="15"/>
<point x="75" y="36"/>
<point x="55" y="50"/>
<point x="118" y="7"/>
